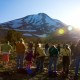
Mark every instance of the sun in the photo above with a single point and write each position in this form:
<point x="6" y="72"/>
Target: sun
<point x="75" y="18"/>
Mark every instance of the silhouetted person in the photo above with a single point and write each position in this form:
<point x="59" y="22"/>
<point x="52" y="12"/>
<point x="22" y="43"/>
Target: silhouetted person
<point x="30" y="45"/>
<point x="72" y="47"/>
<point x="29" y="59"/>
<point x="6" y="49"/>
<point x="53" y="57"/>
<point x="65" y="52"/>
<point x="40" y="56"/>
<point x="20" y="52"/>
<point x="77" y="57"/>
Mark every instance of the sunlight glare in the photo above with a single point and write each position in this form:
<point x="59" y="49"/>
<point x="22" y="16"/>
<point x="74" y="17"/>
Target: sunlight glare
<point x="70" y="28"/>
<point x="61" y="31"/>
<point x="74" y="18"/>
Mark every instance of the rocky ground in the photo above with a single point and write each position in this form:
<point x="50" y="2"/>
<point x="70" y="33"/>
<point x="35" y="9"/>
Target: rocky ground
<point x="10" y="73"/>
<point x="13" y="74"/>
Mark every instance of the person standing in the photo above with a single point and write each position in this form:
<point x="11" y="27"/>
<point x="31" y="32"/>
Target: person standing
<point x="65" y="52"/>
<point x="77" y="57"/>
<point x="5" y="50"/>
<point x="20" y="51"/>
<point x="30" y="45"/>
<point x="72" y="47"/>
<point x="53" y="57"/>
<point x="40" y="56"/>
<point x="29" y="59"/>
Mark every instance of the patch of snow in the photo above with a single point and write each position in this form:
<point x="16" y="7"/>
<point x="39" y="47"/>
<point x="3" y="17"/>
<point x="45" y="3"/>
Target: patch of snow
<point x="43" y="35"/>
<point x="57" y="21"/>
<point x="50" y="21"/>
<point x="34" y="19"/>
<point x="26" y="34"/>
<point x="25" y="30"/>
<point x="6" y="28"/>
<point x="28" y="19"/>
<point x="16" y="23"/>
<point x="59" y="25"/>
<point x="3" y="24"/>
<point x="28" y="26"/>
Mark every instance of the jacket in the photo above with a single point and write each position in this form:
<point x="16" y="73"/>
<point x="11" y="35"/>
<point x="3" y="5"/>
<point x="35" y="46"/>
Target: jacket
<point x="6" y="48"/>
<point x="40" y="52"/>
<point x="65" y="52"/>
<point x="29" y="55"/>
<point x="20" y="48"/>
<point x="53" y="51"/>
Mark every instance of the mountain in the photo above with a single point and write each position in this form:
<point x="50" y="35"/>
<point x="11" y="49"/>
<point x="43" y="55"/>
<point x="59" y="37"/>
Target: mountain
<point x="38" y="25"/>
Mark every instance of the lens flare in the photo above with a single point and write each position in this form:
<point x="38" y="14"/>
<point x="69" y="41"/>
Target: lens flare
<point x="70" y="28"/>
<point x="61" y="31"/>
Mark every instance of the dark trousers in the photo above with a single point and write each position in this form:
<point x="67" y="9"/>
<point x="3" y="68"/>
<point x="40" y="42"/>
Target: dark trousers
<point x="66" y="63"/>
<point x="20" y="60"/>
<point x="40" y="63"/>
<point x="52" y="60"/>
<point x="77" y="65"/>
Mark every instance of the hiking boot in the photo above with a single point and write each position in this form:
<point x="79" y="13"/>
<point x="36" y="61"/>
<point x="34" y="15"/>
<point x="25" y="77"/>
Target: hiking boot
<point x="37" y="70"/>
<point x="50" y="73"/>
<point x="63" y="74"/>
<point x="55" y="73"/>
<point x="76" y="77"/>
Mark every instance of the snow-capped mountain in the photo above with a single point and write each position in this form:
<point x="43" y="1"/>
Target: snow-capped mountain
<point x="34" y="25"/>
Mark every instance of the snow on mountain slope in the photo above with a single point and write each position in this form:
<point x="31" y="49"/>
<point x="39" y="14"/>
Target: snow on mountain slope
<point x="38" y="23"/>
<point x="26" y="34"/>
<point x="43" y="35"/>
<point x="16" y="23"/>
<point x="34" y="19"/>
<point x="49" y="21"/>
<point x="25" y="30"/>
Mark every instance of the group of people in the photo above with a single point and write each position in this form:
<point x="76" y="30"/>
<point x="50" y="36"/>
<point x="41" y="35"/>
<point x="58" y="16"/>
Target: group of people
<point x="37" y="53"/>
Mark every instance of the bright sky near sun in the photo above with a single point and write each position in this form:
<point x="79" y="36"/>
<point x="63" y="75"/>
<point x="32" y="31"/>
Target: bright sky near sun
<point x="67" y="11"/>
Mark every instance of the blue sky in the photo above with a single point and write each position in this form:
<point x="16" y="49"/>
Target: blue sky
<point x="68" y="11"/>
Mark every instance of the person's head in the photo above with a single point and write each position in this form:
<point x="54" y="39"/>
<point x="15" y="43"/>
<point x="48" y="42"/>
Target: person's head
<point x="38" y="45"/>
<point x="66" y="46"/>
<point x="6" y="42"/>
<point x="21" y="40"/>
<point x="54" y="46"/>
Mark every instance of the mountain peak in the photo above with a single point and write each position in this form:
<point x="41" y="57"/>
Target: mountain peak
<point x="38" y="24"/>
<point x="42" y="14"/>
